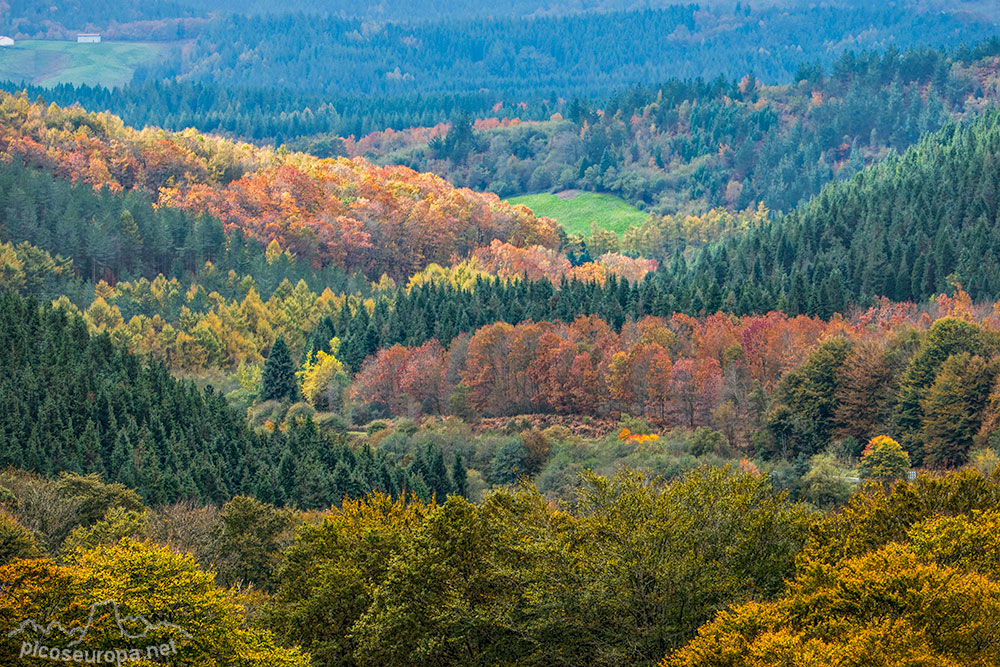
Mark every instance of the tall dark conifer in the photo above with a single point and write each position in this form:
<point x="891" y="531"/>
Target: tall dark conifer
<point x="278" y="380"/>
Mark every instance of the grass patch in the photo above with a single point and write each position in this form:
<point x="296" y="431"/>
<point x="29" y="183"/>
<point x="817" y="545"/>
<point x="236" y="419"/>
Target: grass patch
<point x="50" y="63"/>
<point x="576" y="211"/>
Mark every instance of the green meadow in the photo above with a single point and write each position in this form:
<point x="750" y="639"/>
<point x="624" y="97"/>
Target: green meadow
<point x="49" y="63"/>
<point x="576" y="211"/>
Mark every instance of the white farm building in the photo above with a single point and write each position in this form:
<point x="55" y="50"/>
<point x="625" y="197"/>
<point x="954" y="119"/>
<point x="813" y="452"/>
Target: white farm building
<point x="88" y="38"/>
<point x="6" y="41"/>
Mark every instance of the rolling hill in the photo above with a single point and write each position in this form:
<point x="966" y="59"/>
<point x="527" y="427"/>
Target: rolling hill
<point x="51" y="63"/>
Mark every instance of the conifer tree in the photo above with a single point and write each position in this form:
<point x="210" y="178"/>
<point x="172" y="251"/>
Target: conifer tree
<point x="278" y="380"/>
<point x="459" y="480"/>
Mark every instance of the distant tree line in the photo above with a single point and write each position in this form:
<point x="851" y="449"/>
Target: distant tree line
<point x="693" y="145"/>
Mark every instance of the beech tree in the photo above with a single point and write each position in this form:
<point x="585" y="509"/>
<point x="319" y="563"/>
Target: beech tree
<point x="884" y="460"/>
<point x="953" y="408"/>
<point x="16" y="541"/>
<point x="948" y="568"/>
<point x="144" y="580"/>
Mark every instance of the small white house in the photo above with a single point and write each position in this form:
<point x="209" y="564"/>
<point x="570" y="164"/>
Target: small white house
<point x="6" y="41"/>
<point x="88" y="38"/>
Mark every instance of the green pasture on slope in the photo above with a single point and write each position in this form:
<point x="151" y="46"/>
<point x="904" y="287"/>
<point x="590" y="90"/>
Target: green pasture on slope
<point x="49" y="63"/>
<point x="576" y="211"/>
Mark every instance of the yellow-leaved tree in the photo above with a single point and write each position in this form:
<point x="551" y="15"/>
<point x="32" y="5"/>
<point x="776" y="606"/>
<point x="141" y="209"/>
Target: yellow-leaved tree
<point x="115" y="586"/>
<point x="903" y="576"/>
<point x="884" y="460"/>
<point x="317" y="376"/>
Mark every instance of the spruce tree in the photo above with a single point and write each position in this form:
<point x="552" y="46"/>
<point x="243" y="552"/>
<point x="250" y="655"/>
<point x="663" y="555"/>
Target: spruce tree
<point x="278" y="380"/>
<point x="458" y="477"/>
<point x="437" y="473"/>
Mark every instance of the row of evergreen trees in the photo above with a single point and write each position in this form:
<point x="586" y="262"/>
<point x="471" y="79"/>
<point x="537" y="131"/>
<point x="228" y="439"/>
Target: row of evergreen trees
<point x="442" y="311"/>
<point x="78" y="403"/>
<point x="278" y="115"/>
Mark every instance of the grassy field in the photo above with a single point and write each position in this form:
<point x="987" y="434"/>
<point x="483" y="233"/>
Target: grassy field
<point x="576" y="210"/>
<point x="49" y="63"/>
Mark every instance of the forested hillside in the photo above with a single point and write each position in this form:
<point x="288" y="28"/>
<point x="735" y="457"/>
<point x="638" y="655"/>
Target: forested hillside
<point x="281" y="115"/>
<point x="903" y="229"/>
<point x="347" y="212"/>
<point x="842" y="250"/>
<point x="82" y="404"/>
<point x="125" y="20"/>
<point x="584" y="53"/>
<point x="690" y="146"/>
<point x="684" y="146"/>
<point x="677" y="149"/>
<point x="345" y="406"/>
<point x="319" y="75"/>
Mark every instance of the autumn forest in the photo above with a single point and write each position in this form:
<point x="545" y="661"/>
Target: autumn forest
<point x="591" y="333"/>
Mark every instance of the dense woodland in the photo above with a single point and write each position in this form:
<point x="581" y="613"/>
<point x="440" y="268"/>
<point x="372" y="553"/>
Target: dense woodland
<point x="23" y="17"/>
<point x="692" y="145"/>
<point x="281" y="115"/>
<point x="683" y="146"/>
<point x="224" y="303"/>
<point x="345" y="212"/>
<point x="321" y="408"/>
<point x="903" y="229"/>
<point x="583" y="53"/>
<point x="798" y="263"/>
<point x="628" y="574"/>
<point x="82" y="404"/>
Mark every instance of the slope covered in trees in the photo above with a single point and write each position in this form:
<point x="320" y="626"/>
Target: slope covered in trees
<point x="343" y="212"/>
<point x="692" y="145"/>
<point x="588" y="53"/>
<point x="281" y="115"/>
<point x="127" y="19"/>
<point x="684" y="145"/>
<point x="903" y="229"/>
<point x="428" y="428"/>
<point x="83" y="404"/>
<point x="283" y="102"/>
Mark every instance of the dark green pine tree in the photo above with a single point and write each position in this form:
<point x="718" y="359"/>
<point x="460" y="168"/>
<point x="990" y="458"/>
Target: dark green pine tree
<point x="459" y="481"/>
<point x="278" y="380"/>
<point x="436" y="474"/>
